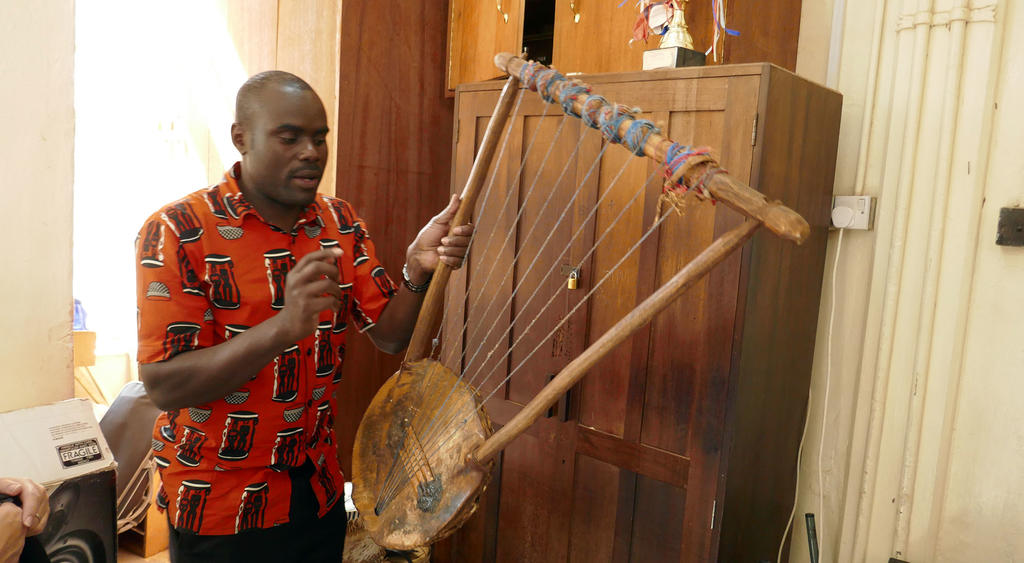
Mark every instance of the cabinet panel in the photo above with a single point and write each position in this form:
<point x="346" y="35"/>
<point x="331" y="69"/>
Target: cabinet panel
<point x="599" y="41"/>
<point x="477" y="31"/>
<point x="595" y="494"/>
<point x="617" y="226"/>
<point x="545" y="196"/>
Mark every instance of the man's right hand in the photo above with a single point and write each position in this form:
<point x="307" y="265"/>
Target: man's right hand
<point x="12" y="532"/>
<point x="207" y="374"/>
<point x="310" y="288"/>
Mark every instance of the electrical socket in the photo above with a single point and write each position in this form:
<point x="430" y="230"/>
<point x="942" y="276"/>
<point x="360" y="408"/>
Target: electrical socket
<point x="853" y="212"/>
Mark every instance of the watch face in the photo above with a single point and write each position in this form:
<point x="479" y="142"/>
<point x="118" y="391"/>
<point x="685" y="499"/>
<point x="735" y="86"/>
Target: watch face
<point x="658" y="16"/>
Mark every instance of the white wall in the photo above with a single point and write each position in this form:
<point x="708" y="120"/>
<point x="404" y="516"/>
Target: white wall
<point x="922" y="449"/>
<point x="36" y="157"/>
<point x="148" y="94"/>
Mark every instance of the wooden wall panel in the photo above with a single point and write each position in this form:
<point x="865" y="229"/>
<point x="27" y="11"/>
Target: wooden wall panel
<point x="765" y="37"/>
<point x="252" y="25"/>
<point x="534" y="473"/>
<point x="308" y="39"/>
<point x="768" y="31"/>
<point x="394" y="131"/>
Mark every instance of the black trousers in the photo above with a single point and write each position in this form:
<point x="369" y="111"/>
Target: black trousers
<point x="305" y="538"/>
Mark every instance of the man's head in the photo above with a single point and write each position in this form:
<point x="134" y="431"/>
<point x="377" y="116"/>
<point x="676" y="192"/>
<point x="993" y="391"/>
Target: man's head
<point x="280" y="126"/>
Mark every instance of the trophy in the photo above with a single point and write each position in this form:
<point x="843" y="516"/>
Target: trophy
<point x="676" y="48"/>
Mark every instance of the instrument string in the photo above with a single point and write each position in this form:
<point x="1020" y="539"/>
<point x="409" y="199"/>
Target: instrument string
<point x="388" y="486"/>
<point x="428" y="434"/>
<point x="432" y="434"/>
<point x="583" y="260"/>
<point x="449" y="415"/>
<point x="487" y="194"/>
<point x="508" y="197"/>
<point x="487" y="191"/>
<point x="532" y="229"/>
<point x="494" y="263"/>
<point x="522" y="207"/>
<point x="579" y="230"/>
<point x="654" y="227"/>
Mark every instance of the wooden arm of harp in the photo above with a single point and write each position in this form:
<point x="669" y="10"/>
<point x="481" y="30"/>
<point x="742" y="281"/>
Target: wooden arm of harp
<point x="778" y="218"/>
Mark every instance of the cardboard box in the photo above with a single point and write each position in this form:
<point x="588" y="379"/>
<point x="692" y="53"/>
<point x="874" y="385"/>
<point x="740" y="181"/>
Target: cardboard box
<point x="60" y="446"/>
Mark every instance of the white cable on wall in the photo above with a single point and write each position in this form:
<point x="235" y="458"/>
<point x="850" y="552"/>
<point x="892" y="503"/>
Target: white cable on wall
<point x="799" y="456"/>
<point x="844" y="217"/>
<point x="824" y="404"/>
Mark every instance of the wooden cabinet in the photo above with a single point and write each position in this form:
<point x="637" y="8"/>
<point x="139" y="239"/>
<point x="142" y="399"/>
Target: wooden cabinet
<point x="681" y="445"/>
<point x="598" y="41"/>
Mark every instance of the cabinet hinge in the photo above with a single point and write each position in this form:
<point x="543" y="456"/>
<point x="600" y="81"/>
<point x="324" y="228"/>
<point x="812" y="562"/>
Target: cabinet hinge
<point x="714" y="505"/>
<point x="753" y="132"/>
<point x="457" y="122"/>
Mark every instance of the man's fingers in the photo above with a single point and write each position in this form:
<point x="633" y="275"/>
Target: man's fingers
<point x="452" y="251"/>
<point x="34" y="503"/>
<point x="455" y="241"/>
<point x="314" y="270"/>
<point x="326" y="256"/>
<point x="324" y="303"/>
<point x="446" y="215"/>
<point x="452" y="262"/>
<point x="463" y="230"/>
<point x="324" y="286"/>
<point x="10" y="487"/>
<point x="322" y="255"/>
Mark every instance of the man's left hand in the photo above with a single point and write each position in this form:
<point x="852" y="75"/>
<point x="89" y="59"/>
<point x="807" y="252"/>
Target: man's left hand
<point x="434" y="244"/>
<point x="35" y="505"/>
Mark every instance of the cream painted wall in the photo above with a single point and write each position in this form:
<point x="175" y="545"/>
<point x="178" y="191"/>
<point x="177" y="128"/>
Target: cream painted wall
<point x="36" y="156"/>
<point x="173" y="97"/>
<point x="920" y="454"/>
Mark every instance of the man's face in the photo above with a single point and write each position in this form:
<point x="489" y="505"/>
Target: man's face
<point x="283" y="147"/>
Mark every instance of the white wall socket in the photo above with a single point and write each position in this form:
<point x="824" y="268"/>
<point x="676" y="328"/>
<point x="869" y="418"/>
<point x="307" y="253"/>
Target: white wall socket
<point x="853" y="212"/>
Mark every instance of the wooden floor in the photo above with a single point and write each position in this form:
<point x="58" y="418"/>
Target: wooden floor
<point x="125" y="556"/>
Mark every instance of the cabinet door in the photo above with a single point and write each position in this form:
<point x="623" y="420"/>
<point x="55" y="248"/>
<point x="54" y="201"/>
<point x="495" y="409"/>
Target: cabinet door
<point x="477" y="30"/>
<point x="599" y="40"/>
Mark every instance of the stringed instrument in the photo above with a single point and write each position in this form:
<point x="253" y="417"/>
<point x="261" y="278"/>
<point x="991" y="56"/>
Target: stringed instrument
<point x="425" y="447"/>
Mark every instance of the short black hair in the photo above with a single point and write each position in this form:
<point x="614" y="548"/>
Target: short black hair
<point x="245" y="101"/>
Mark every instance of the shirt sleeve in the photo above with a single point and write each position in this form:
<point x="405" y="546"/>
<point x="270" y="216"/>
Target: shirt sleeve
<point x="174" y="314"/>
<point x="372" y="288"/>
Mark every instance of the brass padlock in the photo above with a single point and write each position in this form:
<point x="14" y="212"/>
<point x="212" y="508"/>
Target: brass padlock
<point x="573" y="276"/>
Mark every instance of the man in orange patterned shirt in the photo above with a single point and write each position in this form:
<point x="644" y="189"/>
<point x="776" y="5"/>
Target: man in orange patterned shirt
<point x="246" y="291"/>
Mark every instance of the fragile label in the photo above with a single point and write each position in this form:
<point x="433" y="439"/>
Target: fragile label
<point x="77" y="453"/>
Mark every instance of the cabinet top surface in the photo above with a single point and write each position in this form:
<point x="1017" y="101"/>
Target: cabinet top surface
<point x="713" y="71"/>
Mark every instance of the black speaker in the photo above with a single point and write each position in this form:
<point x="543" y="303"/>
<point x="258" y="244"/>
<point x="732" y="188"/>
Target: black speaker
<point x="82" y="525"/>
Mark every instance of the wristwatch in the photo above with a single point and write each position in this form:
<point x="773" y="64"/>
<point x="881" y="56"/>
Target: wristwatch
<point x="421" y="288"/>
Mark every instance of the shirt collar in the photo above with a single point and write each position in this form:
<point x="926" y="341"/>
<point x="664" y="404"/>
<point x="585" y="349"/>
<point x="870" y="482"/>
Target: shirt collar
<point x="236" y="206"/>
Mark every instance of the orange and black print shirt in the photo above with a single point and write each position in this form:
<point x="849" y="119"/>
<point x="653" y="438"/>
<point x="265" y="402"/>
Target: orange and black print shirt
<point x="209" y="268"/>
